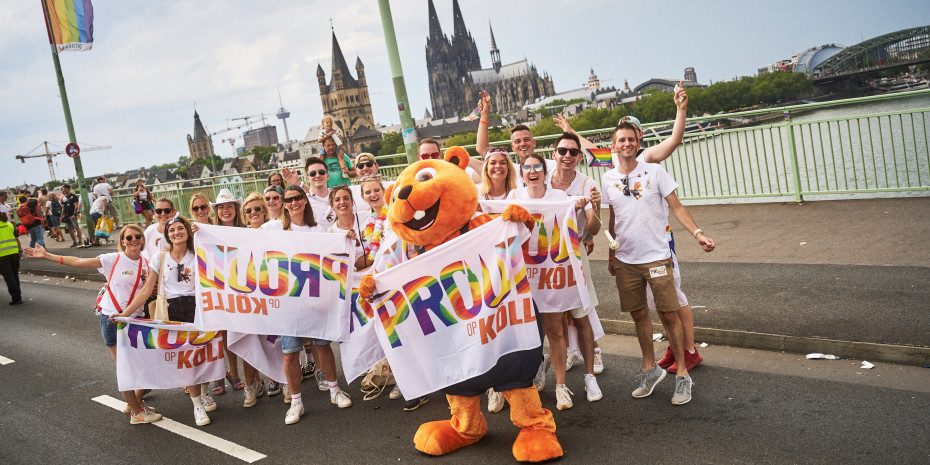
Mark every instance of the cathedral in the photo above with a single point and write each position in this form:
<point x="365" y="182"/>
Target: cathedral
<point x="456" y="75"/>
<point x="200" y="145"/>
<point x="345" y="99"/>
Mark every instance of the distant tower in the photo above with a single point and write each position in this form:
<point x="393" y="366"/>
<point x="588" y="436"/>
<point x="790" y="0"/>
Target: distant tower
<point x="463" y="45"/>
<point x="495" y="53"/>
<point x="200" y="145"/>
<point x="283" y="115"/>
<point x="690" y="75"/>
<point x="593" y="82"/>
<point x="346" y="99"/>
<point x="626" y="86"/>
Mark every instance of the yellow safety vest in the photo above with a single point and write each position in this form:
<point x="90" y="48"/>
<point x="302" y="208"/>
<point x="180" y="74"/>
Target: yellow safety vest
<point x="8" y="244"/>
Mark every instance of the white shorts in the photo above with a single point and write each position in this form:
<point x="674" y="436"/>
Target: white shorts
<point x="676" y="272"/>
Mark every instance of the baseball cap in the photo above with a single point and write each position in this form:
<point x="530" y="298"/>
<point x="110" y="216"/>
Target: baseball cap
<point x="365" y="156"/>
<point x="632" y="120"/>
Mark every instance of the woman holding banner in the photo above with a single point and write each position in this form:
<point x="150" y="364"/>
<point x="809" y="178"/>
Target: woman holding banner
<point x="199" y="209"/>
<point x="178" y="264"/>
<point x="534" y="172"/>
<point x="497" y="175"/>
<point x="273" y="196"/>
<point x="126" y="272"/>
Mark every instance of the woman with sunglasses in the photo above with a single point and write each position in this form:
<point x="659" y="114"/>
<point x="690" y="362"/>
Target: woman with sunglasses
<point x="155" y="234"/>
<point x="497" y="175"/>
<point x="255" y="211"/>
<point x="534" y="172"/>
<point x="199" y="209"/>
<point x="273" y="196"/>
<point x="126" y="272"/>
<point x="178" y="263"/>
<point x="298" y="216"/>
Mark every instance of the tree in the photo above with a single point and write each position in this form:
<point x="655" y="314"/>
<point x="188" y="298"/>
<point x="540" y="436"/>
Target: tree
<point x="263" y="152"/>
<point x="391" y="143"/>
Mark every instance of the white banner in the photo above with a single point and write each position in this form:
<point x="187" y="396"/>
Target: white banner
<point x="262" y="352"/>
<point x="286" y="283"/>
<point x="158" y="355"/>
<point x="552" y="254"/>
<point x="361" y="349"/>
<point x="448" y="315"/>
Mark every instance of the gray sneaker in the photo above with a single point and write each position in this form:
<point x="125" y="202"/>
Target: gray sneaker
<point x="648" y="380"/>
<point x="682" y="390"/>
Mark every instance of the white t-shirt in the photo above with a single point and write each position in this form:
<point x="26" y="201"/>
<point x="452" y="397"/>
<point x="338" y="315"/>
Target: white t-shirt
<point x="154" y="241"/>
<point x="580" y="187"/>
<point x="482" y="196"/>
<point x="278" y="225"/>
<point x="550" y="167"/>
<point x="322" y="212"/>
<point x="97" y="206"/>
<point x="122" y="282"/>
<point x="173" y="287"/>
<point x="640" y="219"/>
<point x="521" y="193"/>
<point x="103" y="190"/>
<point x="358" y="244"/>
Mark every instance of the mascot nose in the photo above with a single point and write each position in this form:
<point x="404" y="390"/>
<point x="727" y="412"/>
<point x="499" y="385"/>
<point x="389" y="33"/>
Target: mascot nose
<point x="404" y="192"/>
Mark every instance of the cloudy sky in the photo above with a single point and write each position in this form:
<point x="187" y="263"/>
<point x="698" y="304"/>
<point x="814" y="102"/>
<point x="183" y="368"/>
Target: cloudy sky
<point x="152" y="62"/>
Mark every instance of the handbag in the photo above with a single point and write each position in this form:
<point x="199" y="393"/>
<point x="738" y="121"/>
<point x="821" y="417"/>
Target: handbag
<point x="378" y="377"/>
<point x="161" y="303"/>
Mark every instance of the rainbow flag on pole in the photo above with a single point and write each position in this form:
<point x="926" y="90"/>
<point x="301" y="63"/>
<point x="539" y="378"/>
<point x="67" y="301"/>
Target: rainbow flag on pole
<point x="599" y="158"/>
<point x="72" y="24"/>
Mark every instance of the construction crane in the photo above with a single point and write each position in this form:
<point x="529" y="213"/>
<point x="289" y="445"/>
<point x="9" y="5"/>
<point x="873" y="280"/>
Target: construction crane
<point x="48" y="155"/>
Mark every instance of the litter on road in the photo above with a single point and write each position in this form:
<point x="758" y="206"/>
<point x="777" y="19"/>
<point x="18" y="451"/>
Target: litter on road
<point x="822" y="356"/>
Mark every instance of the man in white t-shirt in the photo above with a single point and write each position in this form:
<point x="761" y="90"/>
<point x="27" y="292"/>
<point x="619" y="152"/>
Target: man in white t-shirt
<point x="104" y="189"/>
<point x="317" y="177"/>
<point x="365" y="166"/>
<point x="640" y="196"/>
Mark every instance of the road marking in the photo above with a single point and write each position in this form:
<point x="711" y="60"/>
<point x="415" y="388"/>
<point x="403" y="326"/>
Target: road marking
<point x="230" y="448"/>
<point x="6" y="361"/>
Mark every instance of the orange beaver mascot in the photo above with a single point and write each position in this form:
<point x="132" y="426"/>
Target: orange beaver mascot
<point x="432" y="202"/>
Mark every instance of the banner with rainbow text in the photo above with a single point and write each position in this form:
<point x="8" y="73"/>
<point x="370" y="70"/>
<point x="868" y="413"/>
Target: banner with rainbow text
<point x="284" y="283"/>
<point x="71" y="23"/>
<point x="448" y="315"/>
<point x="361" y="349"/>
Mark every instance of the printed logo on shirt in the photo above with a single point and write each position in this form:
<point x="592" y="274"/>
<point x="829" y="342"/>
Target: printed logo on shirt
<point x="129" y="273"/>
<point x="658" y="272"/>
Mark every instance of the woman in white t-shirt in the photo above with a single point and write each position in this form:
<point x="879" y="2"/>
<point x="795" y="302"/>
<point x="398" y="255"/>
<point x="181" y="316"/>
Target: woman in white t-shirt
<point x="199" y="209"/>
<point x="126" y="272"/>
<point x="255" y="211"/>
<point x="348" y="222"/>
<point x="273" y="196"/>
<point x="178" y="264"/>
<point x="497" y="175"/>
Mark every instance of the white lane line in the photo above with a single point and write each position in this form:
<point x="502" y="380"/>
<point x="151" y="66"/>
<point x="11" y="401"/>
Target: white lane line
<point x="242" y="453"/>
<point x="6" y="361"/>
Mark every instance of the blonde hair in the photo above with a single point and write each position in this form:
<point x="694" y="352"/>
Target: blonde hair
<point x="122" y="235"/>
<point x="253" y="197"/>
<point x="510" y="182"/>
<point x="327" y="118"/>
<point x="202" y="198"/>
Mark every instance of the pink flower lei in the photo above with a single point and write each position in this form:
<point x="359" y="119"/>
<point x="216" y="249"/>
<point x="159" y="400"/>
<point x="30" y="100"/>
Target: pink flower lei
<point x="374" y="232"/>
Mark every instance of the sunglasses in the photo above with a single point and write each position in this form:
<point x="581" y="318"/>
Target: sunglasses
<point x="133" y="237"/>
<point x="431" y="156"/>
<point x="180" y="272"/>
<point x="365" y="164"/>
<point x="272" y="198"/>
<point x="255" y="209"/>
<point x="313" y="173"/>
<point x="198" y="208"/>
<point x="528" y="168"/>
<point x="163" y="211"/>
<point x="291" y="199"/>
<point x="626" y="186"/>
<point x="573" y="152"/>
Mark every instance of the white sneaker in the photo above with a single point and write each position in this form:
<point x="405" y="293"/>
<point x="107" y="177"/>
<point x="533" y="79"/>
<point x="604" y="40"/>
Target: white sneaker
<point x="260" y="389"/>
<point x="340" y="398"/>
<point x="591" y="387"/>
<point x="598" y="363"/>
<point x="201" y="417"/>
<point x="250" y="398"/>
<point x="540" y="379"/>
<point x="209" y="404"/>
<point x="321" y="382"/>
<point x="495" y="401"/>
<point x="294" y="413"/>
<point x="287" y="393"/>
<point x="563" y="397"/>
<point x="145" y="416"/>
<point x="395" y="393"/>
<point x="572" y="359"/>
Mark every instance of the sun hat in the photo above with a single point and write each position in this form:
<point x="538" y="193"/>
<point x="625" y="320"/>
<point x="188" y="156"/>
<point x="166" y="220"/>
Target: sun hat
<point x="225" y="196"/>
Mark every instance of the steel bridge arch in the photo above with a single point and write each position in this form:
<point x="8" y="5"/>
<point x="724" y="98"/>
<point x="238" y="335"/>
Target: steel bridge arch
<point x="905" y="45"/>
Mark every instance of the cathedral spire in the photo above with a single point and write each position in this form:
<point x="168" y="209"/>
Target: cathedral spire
<point x="495" y="53"/>
<point x="435" y="30"/>
<point x="342" y="78"/>
<point x="199" y="132"/>
<point x="459" y="29"/>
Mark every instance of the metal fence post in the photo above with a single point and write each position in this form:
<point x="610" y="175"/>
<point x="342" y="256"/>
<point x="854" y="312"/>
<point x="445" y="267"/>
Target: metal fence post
<point x="793" y="151"/>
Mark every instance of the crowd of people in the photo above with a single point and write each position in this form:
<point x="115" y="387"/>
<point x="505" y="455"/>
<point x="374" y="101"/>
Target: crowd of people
<point x="340" y="194"/>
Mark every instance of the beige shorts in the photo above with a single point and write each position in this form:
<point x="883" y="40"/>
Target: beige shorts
<point x="631" y="283"/>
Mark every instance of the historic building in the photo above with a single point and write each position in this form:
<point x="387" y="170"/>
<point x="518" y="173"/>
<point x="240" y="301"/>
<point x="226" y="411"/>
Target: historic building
<point x="456" y="75"/>
<point x="200" y="144"/>
<point x="346" y="100"/>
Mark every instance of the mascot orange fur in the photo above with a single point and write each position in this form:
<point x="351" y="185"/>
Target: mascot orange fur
<point x="432" y="202"/>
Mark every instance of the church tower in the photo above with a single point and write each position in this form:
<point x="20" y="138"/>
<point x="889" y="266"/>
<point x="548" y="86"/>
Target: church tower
<point x="346" y="99"/>
<point x="463" y="45"/>
<point x="495" y="53"/>
<point x="200" y="145"/>
<point x="444" y="89"/>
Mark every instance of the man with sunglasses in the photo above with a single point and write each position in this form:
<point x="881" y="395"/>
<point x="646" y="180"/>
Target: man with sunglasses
<point x="429" y="149"/>
<point x="640" y="196"/>
<point x="365" y="167"/>
<point x="317" y="191"/>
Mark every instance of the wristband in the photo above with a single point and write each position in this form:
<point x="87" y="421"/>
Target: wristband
<point x="696" y="231"/>
<point x="484" y="122"/>
<point x="61" y="260"/>
<point x="612" y="258"/>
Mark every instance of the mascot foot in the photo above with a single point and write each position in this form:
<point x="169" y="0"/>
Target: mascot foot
<point x="536" y="445"/>
<point x="439" y="437"/>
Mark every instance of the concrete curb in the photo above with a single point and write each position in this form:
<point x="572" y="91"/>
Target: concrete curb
<point x="84" y="276"/>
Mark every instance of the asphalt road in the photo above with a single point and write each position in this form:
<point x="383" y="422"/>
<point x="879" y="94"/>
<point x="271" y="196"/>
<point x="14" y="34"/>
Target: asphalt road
<point x="749" y="407"/>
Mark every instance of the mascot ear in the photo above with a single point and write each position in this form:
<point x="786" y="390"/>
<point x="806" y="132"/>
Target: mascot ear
<point x="457" y="156"/>
<point x="387" y="194"/>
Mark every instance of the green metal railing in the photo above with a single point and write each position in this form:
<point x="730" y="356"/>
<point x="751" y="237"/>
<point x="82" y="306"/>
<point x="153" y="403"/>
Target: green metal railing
<point x="794" y="157"/>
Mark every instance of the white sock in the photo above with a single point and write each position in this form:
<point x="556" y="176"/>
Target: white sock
<point x="333" y="385"/>
<point x="296" y="398"/>
<point x="197" y="401"/>
<point x="691" y="351"/>
<point x="597" y="350"/>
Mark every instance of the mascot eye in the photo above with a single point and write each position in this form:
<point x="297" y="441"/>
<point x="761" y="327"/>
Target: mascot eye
<point x="425" y="174"/>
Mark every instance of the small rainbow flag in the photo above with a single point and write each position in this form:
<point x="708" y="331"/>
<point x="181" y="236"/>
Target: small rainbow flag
<point x="72" y="24"/>
<point x="599" y="158"/>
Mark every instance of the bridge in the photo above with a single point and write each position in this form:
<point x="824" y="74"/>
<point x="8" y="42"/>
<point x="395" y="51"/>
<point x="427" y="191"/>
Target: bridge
<point x="897" y="49"/>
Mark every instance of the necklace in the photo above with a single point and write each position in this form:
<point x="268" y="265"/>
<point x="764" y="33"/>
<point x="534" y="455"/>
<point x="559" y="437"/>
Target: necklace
<point x="574" y="174"/>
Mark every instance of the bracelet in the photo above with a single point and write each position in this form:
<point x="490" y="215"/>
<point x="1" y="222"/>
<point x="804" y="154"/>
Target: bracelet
<point x="61" y="259"/>
<point x="696" y="231"/>
<point x="612" y="258"/>
<point x="484" y="122"/>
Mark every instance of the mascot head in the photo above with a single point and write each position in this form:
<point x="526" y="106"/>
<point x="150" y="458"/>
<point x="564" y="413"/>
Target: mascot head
<point x="432" y="199"/>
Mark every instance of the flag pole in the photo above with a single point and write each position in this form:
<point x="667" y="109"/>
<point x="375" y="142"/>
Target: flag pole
<point x="79" y="170"/>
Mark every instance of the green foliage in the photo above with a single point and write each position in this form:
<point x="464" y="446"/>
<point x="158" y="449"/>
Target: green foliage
<point x="391" y="143"/>
<point x="216" y="162"/>
<point x="263" y="152"/>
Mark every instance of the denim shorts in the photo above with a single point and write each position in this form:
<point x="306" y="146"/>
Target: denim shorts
<point x="291" y="344"/>
<point x="107" y="330"/>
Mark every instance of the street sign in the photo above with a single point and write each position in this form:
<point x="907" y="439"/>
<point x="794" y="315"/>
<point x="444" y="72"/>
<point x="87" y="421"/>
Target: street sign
<point x="73" y="150"/>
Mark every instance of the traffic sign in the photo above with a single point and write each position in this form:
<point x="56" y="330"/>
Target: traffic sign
<point x="73" y="150"/>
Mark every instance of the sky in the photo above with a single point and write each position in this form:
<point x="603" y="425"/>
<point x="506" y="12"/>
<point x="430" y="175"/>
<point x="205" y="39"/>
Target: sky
<point x="153" y="63"/>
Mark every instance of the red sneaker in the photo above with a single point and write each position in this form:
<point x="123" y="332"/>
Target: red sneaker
<point x="668" y="360"/>
<point x="691" y="361"/>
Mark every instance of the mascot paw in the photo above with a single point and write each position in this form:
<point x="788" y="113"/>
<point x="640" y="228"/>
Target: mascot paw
<point x="439" y="437"/>
<point x="519" y="214"/>
<point x="367" y="287"/>
<point x="536" y="445"/>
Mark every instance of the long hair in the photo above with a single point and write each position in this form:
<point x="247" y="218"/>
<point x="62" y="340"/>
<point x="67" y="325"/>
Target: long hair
<point x="255" y="196"/>
<point x="202" y="198"/>
<point x="510" y="182"/>
<point x="237" y="221"/>
<point x="187" y="226"/>
<point x="309" y="219"/>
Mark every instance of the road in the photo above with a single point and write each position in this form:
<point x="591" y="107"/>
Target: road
<point x="749" y="407"/>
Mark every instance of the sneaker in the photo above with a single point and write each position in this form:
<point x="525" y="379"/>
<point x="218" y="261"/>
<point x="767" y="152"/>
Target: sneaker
<point x="339" y="398"/>
<point x="591" y="387"/>
<point x="668" y="359"/>
<point x="209" y="404"/>
<point x="74" y="244"/>
<point x="287" y="393"/>
<point x="308" y="369"/>
<point x="250" y="397"/>
<point x="563" y="397"/>
<point x="540" y="379"/>
<point x="395" y="393"/>
<point x="128" y="410"/>
<point x="572" y="359"/>
<point x="260" y="390"/>
<point x="414" y="404"/>
<point x="682" y="390"/>
<point x="144" y="416"/>
<point x="274" y="387"/>
<point x="294" y="413"/>
<point x="495" y="401"/>
<point x="201" y="417"/>
<point x="691" y="361"/>
<point x="647" y="381"/>
<point x="321" y="382"/>
<point x="598" y="363"/>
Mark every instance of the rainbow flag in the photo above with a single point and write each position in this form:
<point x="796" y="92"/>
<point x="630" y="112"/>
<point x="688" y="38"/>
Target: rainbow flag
<point x="599" y="158"/>
<point x="72" y="24"/>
